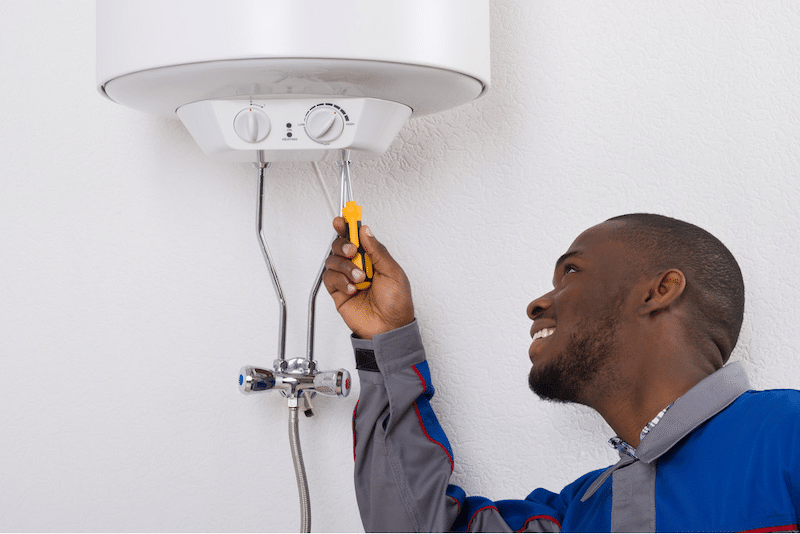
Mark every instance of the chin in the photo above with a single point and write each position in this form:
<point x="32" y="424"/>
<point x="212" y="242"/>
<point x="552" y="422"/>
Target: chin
<point x="548" y="384"/>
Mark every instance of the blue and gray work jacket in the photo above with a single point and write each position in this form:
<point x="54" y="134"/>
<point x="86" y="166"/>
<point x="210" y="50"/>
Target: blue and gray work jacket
<point x="722" y="458"/>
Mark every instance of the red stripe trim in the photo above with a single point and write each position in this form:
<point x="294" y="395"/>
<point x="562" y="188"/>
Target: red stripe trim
<point x="524" y="526"/>
<point x="457" y="502"/>
<point x="782" y="528"/>
<point x="421" y="379"/>
<point x="422" y="426"/>
<point x="532" y="518"/>
<point x="489" y="507"/>
<point x="354" y="428"/>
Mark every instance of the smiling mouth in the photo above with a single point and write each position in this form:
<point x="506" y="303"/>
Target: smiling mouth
<point x="543" y="333"/>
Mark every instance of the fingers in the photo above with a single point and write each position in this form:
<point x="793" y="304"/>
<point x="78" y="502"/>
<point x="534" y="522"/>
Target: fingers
<point x="381" y="259"/>
<point x="342" y="246"/>
<point x="341" y="274"/>
<point x="338" y="286"/>
<point x="344" y="267"/>
<point x="339" y="225"/>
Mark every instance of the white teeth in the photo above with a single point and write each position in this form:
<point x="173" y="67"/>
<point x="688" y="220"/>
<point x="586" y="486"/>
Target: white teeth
<point x="544" y="332"/>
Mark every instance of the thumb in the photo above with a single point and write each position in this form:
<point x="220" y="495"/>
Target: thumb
<point x="382" y="261"/>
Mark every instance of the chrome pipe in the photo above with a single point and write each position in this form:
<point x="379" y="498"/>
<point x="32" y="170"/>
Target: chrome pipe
<point x="299" y="469"/>
<point x="345" y="194"/>
<point x="297" y="379"/>
<point x="312" y="303"/>
<point x="262" y="167"/>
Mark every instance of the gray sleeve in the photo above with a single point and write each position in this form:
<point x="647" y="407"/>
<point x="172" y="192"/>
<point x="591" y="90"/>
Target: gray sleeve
<point x="402" y="458"/>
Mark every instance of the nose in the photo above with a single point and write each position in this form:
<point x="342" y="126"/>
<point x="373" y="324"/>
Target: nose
<point x="539" y="305"/>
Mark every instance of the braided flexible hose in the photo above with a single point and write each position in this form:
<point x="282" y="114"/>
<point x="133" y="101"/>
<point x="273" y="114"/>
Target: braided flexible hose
<point x="299" y="470"/>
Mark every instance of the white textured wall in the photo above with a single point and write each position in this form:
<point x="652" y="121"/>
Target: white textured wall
<point x="132" y="288"/>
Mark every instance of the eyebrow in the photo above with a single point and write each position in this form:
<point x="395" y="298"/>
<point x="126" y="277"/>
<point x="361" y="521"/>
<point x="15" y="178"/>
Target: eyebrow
<point x="565" y="257"/>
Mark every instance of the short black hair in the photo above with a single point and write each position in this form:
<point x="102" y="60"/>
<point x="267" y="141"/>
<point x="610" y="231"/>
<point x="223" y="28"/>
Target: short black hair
<point x="714" y="283"/>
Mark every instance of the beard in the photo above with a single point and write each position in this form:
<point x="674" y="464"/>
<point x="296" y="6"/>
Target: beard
<point x="583" y="365"/>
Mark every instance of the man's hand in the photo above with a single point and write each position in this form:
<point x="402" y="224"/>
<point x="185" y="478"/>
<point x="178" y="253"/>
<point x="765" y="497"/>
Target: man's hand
<point x="386" y="304"/>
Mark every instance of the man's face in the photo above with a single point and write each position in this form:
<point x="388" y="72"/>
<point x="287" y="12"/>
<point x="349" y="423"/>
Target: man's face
<point x="576" y="325"/>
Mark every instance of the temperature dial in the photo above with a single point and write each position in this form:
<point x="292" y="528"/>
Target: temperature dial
<point x="252" y="125"/>
<point x="324" y="124"/>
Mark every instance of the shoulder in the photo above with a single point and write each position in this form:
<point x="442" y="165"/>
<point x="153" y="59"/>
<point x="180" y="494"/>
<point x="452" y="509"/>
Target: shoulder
<point x="770" y="412"/>
<point x="782" y="401"/>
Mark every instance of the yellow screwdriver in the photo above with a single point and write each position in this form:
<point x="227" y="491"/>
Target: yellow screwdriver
<point x="351" y="212"/>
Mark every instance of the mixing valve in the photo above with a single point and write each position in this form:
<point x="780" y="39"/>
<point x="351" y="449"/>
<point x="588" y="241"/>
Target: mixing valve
<point x="297" y="379"/>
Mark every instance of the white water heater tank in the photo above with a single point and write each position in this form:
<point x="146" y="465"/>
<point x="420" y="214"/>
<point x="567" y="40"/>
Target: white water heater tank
<point x="297" y="79"/>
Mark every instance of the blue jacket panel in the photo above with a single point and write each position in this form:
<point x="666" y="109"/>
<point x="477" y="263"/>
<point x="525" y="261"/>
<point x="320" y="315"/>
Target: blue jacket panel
<point x="738" y="471"/>
<point x="723" y="458"/>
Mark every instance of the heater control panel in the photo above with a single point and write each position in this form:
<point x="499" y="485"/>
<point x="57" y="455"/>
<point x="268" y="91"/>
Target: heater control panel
<point x="292" y="129"/>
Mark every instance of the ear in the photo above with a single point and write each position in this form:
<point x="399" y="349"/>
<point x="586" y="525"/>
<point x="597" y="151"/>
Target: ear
<point x="663" y="291"/>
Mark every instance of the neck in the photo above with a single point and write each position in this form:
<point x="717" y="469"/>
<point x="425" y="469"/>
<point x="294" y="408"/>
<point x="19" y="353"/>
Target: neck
<point x="640" y="394"/>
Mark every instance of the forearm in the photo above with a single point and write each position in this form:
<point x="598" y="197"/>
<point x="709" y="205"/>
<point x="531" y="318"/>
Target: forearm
<point x="403" y="459"/>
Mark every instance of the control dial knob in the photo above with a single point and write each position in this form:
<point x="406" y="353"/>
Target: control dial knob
<point x="324" y="124"/>
<point x="252" y="125"/>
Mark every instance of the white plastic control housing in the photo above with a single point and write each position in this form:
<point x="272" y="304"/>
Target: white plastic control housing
<point x="176" y="55"/>
<point x="292" y="129"/>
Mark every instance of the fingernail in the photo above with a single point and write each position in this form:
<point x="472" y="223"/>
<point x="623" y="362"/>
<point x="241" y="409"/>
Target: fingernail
<point x="368" y="231"/>
<point x="357" y="274"/>
<point x="351" y="288"/>
<point x="350" y="249"/>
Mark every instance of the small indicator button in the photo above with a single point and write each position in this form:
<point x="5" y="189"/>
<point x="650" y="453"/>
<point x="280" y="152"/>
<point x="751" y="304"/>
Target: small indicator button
<point x="288" y="124"/>
<point x="288" y="134"/>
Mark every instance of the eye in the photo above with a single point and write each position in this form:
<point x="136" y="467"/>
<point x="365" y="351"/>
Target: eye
<point x="565" y="269"/>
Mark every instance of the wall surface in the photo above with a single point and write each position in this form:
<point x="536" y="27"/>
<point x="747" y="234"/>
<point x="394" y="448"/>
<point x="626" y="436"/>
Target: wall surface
<point x="132" y="288"/>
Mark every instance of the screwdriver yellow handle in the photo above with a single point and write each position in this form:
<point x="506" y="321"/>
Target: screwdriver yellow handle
<point x="352" y="216"/>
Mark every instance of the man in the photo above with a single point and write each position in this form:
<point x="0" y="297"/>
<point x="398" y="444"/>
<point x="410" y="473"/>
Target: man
<point x="644" y="314"/>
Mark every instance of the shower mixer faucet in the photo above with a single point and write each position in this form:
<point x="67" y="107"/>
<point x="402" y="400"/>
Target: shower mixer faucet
<point x="299" y="376"/>
<point x="295" y="380"/>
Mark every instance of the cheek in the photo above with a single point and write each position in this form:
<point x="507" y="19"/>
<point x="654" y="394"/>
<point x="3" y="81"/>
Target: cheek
<point x="576" y="308"/>
<point x="587" y="300"/>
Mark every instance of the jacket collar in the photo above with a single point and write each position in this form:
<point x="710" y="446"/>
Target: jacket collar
<point x="705" y="400"/>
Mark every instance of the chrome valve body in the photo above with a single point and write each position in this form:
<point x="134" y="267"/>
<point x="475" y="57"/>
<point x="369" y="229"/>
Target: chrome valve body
<point x="297" y="378"/>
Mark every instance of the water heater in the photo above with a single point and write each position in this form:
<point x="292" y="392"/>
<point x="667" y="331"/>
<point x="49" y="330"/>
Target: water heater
<point x="296" y="79"/>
